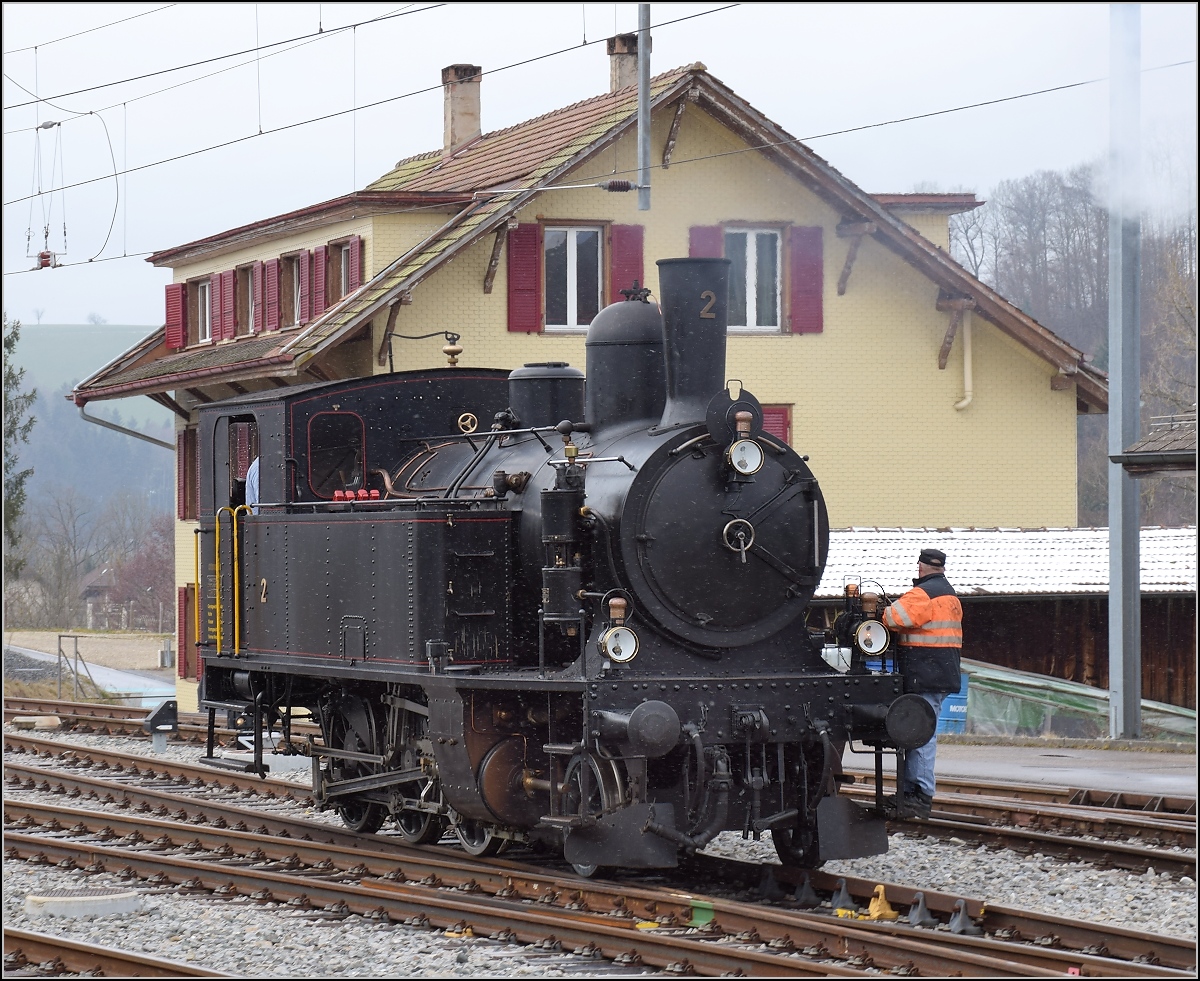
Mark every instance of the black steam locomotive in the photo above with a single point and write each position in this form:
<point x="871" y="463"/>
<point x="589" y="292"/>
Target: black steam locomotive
<point x="583" y="626"/>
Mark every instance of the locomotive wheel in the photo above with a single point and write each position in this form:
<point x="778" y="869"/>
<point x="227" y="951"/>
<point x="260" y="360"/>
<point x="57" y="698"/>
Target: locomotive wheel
<point x="419" y="827"/>
<point x="355" y="728"/>
<point x="603" y="794"/>
<point x="478" y="839"/>
<point x="797" y="847"/>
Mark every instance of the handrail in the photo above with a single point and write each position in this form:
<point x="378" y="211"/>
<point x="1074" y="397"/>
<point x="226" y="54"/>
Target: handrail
<point x="196" y="597"/>
<point x="217" y="565"/>
<point x="237" y="581"/>
<point x="234" y="571"/>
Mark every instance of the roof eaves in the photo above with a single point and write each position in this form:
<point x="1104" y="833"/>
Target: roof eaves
<point x="238" y="371"/>
<point x="358" y="204"/>
<point x="905" y="240"/>
<point x="124" y="360"/>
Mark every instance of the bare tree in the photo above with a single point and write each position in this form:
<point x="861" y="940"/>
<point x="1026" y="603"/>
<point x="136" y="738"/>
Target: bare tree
<point x="66" y="546"/>
<point x="1042" y="241"/>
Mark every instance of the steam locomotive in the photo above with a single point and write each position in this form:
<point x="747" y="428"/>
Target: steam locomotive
<point x="583" y="626"/>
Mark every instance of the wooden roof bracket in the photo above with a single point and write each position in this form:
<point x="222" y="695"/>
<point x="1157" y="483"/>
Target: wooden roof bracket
<point x="163" y="399"/>
<point x="489" y="277"/>
<point x="691" y="95"/>
<point x="1064" y="379"/>
<point x="385" y="344"/>
<point x="957" y="306"/>
<point x="855" y="232"/>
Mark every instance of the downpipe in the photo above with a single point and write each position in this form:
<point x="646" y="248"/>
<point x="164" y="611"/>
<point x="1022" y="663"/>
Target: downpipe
<point x="968" y="379"/>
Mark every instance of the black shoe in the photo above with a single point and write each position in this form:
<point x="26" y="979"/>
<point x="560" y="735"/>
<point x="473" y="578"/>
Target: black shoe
<point x="918" y="805"/>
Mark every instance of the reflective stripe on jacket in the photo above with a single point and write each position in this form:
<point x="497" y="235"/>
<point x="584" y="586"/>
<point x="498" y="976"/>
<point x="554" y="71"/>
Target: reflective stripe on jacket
<point x="928" y="619"/>
<point x="928" y="615"/>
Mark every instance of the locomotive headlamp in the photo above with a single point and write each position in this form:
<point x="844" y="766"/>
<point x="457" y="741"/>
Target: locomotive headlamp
<point x="618" y="643"/>
<point x="872" y="637"/>
<point x="744" y="454"/>
<point x="746" y="457"/>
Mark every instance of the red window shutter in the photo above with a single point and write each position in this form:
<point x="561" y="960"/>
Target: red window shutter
<point x="777" y="422"/>
<point x="182" y="633"/>
<point x="228" y="305"/>
<point x="525" y="279"/>
<point x="627" y="264"/>
<point x="706" y="242"/>
<point x="181" y="484"/>
<point x="355" y="279"/>
<point x="807" y="269"/>
<point x="304" y="263"/>
<point x="176" y="316"/>
<point x="271" y="293"/>
<point x="256" y="318"/>
<point x="216" y="306"/>
<point x="320" y="271"/>
<point x="193" y="455"/>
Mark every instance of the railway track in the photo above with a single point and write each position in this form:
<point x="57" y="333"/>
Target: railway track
<point x="659" y="927"/>
<point x="1159" y="843"/>
<point x="431" y="879"/>
<point x="42" y="955"/>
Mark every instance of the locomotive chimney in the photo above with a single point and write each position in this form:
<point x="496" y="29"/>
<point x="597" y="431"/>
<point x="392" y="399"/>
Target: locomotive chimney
<point x="694" y="295"/>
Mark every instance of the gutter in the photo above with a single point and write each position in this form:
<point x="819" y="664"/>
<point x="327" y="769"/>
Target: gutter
<point x="1177" y="459"/>
<point x="121" y="429"/>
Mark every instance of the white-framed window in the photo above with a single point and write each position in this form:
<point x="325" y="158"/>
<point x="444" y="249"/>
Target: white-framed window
<point x="574" y="278"/>
<point x="251" y="299"/>
<point x="755" y="280"/>
<point x="204" y="311"/>
<point x="295" y="269"/>
<point x="345" y="269"/>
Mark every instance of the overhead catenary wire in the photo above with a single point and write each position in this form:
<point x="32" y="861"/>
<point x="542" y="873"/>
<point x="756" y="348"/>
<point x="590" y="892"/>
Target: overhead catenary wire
<point x="370" y="105"/>
<point x="90" y="30"/>
<point x="215" y="58"/>
<point x="80" y="113"/>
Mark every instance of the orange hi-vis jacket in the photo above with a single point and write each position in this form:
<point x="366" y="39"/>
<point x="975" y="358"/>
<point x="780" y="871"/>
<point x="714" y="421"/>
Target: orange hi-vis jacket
<point x="928" y="620"/>
<point x="924" y="620"/>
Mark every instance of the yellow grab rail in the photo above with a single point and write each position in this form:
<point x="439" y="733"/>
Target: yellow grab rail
<point x="196" y="595"/>
<point x="235" y="571"/>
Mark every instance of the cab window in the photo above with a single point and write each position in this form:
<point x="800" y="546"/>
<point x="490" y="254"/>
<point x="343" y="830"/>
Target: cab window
<point x="337" y="454"/>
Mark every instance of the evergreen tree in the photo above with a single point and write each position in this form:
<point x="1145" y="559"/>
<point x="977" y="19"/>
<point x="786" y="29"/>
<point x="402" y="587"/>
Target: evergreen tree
<point x="18" y="421"/>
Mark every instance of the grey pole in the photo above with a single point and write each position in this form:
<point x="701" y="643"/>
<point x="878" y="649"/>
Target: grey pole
<point x="643" y="107"/>
<point x="1124" y="365"/>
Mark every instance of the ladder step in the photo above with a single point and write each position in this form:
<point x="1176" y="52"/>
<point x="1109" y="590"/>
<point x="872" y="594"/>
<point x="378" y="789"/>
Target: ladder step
<point x="562" y="749"/>
<point x="554" y="821"/>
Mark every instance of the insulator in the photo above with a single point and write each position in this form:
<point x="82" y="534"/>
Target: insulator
<point x="618" y="185"/>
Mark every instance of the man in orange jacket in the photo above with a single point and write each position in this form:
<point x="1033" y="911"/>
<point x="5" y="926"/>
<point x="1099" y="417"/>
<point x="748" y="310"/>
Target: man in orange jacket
<point x="928" y="620"/>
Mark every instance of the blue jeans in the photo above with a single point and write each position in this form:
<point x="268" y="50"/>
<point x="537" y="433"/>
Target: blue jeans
<point x="918" y="763"/>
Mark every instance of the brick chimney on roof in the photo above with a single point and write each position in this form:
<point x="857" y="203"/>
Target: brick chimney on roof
<point x="622" y="61"/>
<point x="460" y="85"/>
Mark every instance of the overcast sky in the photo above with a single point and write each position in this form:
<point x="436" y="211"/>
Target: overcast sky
<point x="814" y="68"/>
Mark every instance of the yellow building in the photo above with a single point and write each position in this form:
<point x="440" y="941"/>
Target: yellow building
<point x="921" y="397"/>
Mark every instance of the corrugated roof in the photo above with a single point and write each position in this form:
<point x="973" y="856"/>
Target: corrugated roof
<point x="1007" y="561"/>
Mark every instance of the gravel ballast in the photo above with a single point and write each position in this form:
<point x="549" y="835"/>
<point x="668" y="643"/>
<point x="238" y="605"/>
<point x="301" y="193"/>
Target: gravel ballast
<point x="242" y="938"/>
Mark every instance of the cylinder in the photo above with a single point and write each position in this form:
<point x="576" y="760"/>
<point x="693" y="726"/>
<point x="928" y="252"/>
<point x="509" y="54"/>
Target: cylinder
<point x="625" y="371"/>
<point x="545" y="394"/>
<point x="695" y="301"/>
